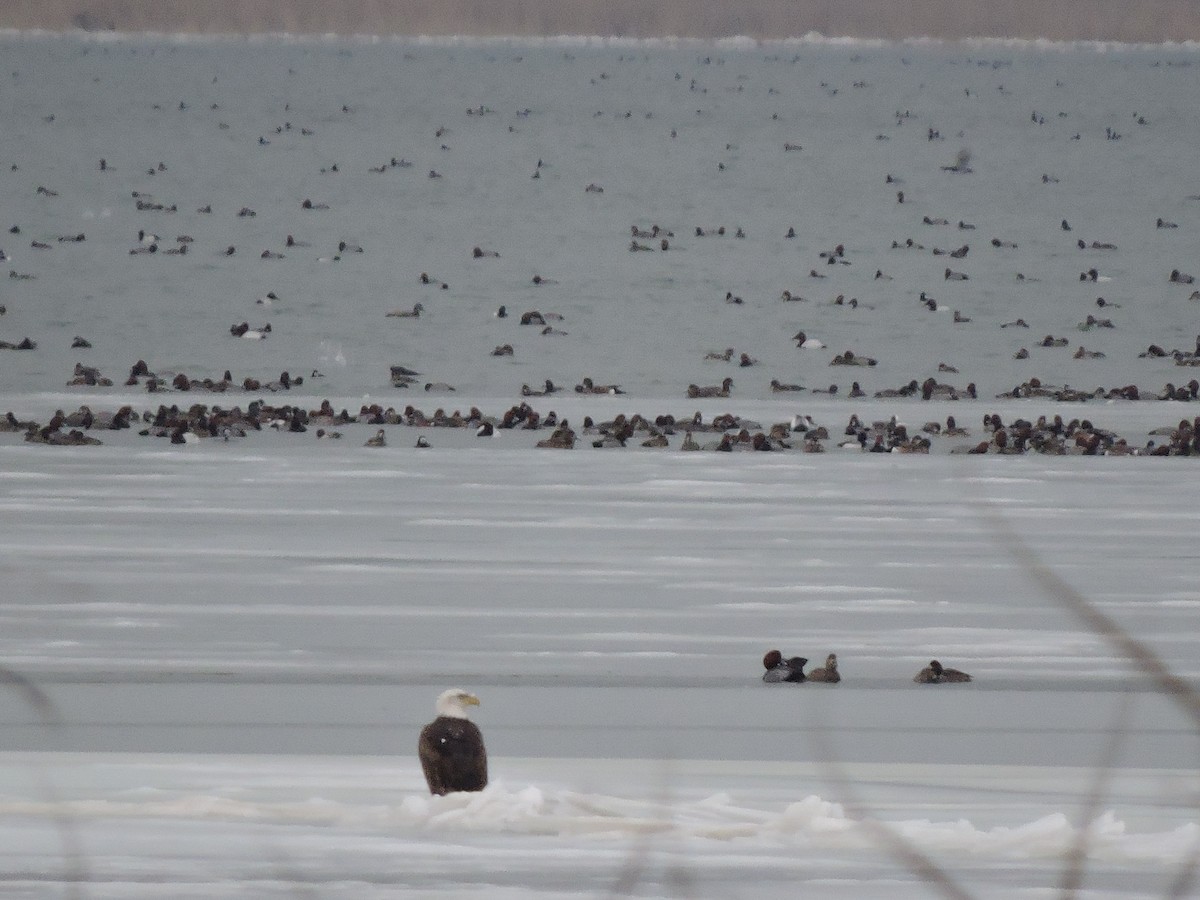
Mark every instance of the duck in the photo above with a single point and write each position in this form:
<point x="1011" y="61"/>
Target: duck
<point x="828" y="673"/>
<point x="954" y="429"/>
<point x="804" y="342"/>
<point x="936" y="673"/>
<point x="695" y="391"/>
<point x="849" y="358"/>
<point x="413" y="313"/>
<point x="549" y="388"/>
<point x="244" y="330"/>
<point x="779" y="670"/>
<point x="380" y="440"/>
<point x="563" y="438"/>
<point x="802" y="424"/>
<point x="587" y="386"/>
<point x="402" y="376"/>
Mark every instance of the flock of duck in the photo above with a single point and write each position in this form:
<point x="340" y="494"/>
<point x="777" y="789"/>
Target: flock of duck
<point x="184" y="418"/>
<point x="790" y="670"/>
<point x="190" y="422"/>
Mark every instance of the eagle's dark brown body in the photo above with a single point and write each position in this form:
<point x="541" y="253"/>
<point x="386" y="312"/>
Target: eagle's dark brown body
<point x="452" y="754"/>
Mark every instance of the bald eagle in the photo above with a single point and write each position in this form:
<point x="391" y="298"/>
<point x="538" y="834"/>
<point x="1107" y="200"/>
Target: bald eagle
<point x="451" y="746"/>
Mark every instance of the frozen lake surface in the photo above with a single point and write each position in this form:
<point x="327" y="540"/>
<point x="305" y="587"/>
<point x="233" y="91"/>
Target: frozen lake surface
<point x="221" y="651"/>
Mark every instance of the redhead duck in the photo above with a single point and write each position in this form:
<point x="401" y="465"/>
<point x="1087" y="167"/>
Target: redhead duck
<point x="779" y="670"/>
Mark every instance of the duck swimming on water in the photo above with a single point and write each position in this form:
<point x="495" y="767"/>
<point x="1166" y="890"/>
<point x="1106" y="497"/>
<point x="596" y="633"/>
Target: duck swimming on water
<point x="828" y="673"/>
<point x="780" y="670"/>
<point x="936" y="673"/>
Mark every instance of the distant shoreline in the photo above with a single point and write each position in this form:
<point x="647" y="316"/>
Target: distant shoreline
<point x="1148" y="21"/>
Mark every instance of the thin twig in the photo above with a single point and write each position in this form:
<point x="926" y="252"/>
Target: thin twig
<point x="1076" y="857"/>
<point x="900" y="848"/>
<point x="1170" y="684"/>
<point x="76" y="874"/>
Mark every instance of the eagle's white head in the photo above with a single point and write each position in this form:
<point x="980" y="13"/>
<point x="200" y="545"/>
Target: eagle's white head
<point x="454" y="703"/>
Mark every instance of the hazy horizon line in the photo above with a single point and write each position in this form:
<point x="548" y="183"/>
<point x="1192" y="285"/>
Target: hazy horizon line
<point x="1104" y="21"/>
